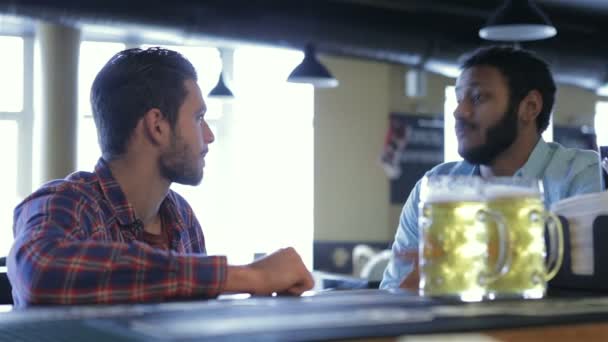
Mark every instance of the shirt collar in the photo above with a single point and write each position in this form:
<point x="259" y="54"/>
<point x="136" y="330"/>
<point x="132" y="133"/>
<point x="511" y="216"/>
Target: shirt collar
<point x="114" y="194"/>
<point x="476" y="170"/>
<point x="537" y="162"/>
<point x="124" y="212"/>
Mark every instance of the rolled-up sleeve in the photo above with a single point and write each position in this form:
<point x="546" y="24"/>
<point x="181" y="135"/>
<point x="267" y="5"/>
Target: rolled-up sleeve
<point x="406" y="238"/>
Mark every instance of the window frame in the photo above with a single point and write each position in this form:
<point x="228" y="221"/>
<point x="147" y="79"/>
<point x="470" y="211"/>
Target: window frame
<point x="24" y="118"/>
<point x="24" y="121"/>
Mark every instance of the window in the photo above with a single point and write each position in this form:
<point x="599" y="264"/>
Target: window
<point x="275" y="153"/>
<point x="9" y="133"/>
<point x="8" y="177"/>
<point x="11" y="69"/>
<point x="15" y="129"/>
<point x="548" y="133"/>
<point x="257" y="194"/>
<point x="93" y="56"/>
<point x="601" y="123"/>
<point x="450" y="144"/>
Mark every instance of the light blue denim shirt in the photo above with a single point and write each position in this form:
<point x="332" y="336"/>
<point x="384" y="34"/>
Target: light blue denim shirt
<point x="565" y="172"/>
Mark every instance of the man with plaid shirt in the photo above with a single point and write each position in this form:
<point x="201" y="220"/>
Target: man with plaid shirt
<point x="119" y="234"/>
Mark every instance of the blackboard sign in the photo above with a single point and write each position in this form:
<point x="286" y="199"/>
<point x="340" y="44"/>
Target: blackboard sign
<point x="415" y="143"/>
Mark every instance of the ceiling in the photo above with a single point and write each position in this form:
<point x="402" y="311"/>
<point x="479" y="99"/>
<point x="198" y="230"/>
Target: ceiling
<point x="588" y="6"/>
<point x="414" y="32"/>
<point x="584" y="6"/>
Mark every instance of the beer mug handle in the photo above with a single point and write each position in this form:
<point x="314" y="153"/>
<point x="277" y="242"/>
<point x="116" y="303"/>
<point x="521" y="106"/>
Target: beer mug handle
<point x="503" y="262"/>
<point x="556" y="237"/>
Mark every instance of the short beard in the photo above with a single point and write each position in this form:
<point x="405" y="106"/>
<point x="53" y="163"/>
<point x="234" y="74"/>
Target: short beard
<point x="176" y="166"/>
<point x="498" y="139"/>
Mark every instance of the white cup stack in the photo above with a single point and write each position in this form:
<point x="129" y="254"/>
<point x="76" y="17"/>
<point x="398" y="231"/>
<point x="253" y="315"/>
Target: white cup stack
<point x="581" y="211"/>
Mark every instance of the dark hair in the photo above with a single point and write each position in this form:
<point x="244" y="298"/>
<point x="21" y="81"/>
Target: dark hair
<point x="131" y="83"/>
<point x="524" y="71"/>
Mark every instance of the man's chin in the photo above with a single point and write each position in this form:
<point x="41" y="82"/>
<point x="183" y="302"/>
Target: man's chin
<point x="465" y="152"/>
<point x="193" y="181"/>
<point x="475" y="155"/>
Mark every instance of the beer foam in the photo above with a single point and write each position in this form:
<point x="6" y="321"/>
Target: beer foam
<point x="453" y="196"/>
<point x="502" y="191"/>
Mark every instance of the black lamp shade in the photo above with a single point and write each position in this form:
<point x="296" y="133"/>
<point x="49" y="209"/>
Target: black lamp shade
<point x="312" y="71"/>
<point x="221" y="90"/>
<point x="518" y="20"/>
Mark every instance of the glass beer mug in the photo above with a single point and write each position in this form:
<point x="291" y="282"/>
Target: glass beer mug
<point x="454" y="225"/>
<point x="520" y="203"/>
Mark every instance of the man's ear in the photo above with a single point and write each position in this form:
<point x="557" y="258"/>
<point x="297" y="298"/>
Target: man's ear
<point x="530" y="106"/>
<point x="156" y="127"/>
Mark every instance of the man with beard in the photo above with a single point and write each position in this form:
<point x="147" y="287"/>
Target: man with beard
<point x="505" y="98"/>
<point x="119" y="234"/>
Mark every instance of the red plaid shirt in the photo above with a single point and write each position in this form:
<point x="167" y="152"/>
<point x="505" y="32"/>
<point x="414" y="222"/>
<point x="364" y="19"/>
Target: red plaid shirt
<point x="77" y="241"/>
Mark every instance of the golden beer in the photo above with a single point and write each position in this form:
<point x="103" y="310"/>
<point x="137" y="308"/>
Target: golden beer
<point x="454" y="239"/>
<point x="525" y="216"/>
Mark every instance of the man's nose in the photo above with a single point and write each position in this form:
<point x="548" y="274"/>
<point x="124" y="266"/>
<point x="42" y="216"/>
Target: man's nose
<point x="463" y="110"/>
<point x="208" y="134"/>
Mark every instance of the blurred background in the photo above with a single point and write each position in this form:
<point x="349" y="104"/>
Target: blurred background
<point x="323" y="167"/>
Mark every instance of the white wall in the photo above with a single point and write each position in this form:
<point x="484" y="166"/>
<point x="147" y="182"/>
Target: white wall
<point x="351" y="191"/>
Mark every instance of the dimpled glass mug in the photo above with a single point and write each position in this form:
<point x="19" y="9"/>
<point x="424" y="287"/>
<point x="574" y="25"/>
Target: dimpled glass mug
<point x="455" y="227"/>
<point x="520" y="202"/>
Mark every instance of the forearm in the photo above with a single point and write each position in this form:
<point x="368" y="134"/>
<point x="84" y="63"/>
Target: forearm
<point x="406" y="240"/>
<point x="241" y="279"/>
<point x="48" y="271"/>
<point x="282" y="271"/>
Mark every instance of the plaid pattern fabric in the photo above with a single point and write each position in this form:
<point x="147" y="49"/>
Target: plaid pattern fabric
<point x="77" y="241"/>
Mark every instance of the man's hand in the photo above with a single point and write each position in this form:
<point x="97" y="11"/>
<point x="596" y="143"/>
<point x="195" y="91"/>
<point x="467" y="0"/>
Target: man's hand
<point x="411" y="281"/>
<point x="282" y="271"/>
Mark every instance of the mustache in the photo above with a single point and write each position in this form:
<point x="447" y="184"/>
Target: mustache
<point x="462" y="124"/>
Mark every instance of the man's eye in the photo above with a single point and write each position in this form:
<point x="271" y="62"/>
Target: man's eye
<point x="478" y="98"/>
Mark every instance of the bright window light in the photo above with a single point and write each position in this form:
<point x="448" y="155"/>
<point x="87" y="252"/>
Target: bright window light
<point x="257" y="194"/>
<point x="601" y="123"/>
<point x="93" y="56"/>
<point x="276" y="117"/>
<point x="11" y="69"/>
<point x="548" y="133"/>
<point x="450" y="143"/>
<point x="11" y="108"/>
<point x="8" y="181"/>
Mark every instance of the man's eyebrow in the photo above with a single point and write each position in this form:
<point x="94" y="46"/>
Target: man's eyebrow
<point x="470" y="85"/>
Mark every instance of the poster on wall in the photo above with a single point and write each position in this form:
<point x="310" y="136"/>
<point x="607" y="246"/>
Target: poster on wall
<point x="413" y="145"/>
